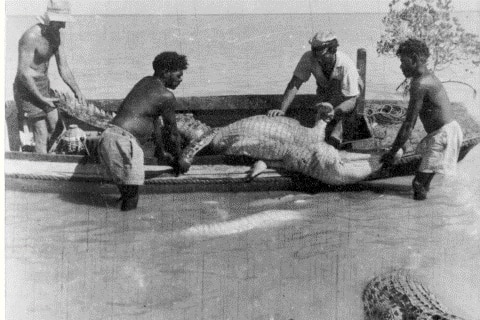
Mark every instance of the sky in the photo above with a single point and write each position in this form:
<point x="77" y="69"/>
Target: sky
<point x="81" y="7"/>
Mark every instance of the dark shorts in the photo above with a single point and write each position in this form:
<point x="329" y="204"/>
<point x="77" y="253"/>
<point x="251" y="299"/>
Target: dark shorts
<point x="27" y="104"/>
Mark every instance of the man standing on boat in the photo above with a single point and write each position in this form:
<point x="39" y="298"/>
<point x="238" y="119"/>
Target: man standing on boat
<point x="137" y="121"/>
<point x="32" y="92"/>
<point x="337" y="80"/>
<point x="429" y="101"/>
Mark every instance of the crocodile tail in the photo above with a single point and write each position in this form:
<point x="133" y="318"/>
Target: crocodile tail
<point x="190" y="129"/>
<point x="88" y="113"/>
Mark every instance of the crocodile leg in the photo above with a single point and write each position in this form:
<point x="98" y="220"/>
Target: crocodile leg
<point x="257" y="168"/>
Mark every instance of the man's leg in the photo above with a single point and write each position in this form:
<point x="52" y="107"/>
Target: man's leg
<point x="55" y="127"/>
<point x="129" y="196"/>
<point x="421" y="184"/>
<point x="40" y="134"/>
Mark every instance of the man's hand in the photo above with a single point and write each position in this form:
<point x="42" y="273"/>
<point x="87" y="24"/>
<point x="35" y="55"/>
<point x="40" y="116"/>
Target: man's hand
<point x="51" y="101"/>
<point x="275" y="113"/>
<point x="81" y="98"/>
<point x="165" y="157"/>
<point x="180" y="166"/>
<point x="325" y="111"/>
<point x="387" y="160"/>
<point x="390" y="158"/>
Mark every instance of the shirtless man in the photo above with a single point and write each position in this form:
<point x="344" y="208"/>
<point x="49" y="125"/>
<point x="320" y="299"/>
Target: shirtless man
<point x="429" y="100"/>
<point x="337" y="80"/>
<point x="32" y="92"/>
<point x="137" y="121"/>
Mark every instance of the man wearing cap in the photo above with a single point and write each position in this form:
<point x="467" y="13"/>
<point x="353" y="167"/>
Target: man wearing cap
<point x="32" y="93"/>
<point x="337" y="80"/>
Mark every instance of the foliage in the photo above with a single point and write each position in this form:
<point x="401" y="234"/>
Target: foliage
<point x="430" y="21"/>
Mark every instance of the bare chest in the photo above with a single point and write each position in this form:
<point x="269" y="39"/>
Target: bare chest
<point x="46" y="47"/>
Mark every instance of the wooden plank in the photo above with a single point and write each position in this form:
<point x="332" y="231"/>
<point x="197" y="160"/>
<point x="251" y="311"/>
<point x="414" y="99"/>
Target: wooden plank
<point x="362" y="71"/>
<point x="69" y="158"/>
<point x="43" y="170"/>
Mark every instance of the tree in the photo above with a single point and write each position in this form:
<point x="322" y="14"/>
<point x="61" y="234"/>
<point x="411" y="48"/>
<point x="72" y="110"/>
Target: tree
<point x="430" y="21"/>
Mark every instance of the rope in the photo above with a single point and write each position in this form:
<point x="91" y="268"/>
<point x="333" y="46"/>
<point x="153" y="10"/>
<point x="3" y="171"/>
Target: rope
<point x="385" y="113"/>
<point x="155" y="181"/>
<point x="209" y="181"/>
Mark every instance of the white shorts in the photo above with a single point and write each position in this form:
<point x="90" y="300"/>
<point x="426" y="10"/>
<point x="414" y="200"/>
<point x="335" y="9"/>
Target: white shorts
<point x="440" y="149"/>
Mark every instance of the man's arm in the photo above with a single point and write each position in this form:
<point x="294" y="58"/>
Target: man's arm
<point x="417" y="94"/>
<point x="172" y="136"/>
<point x="66" y="73"/>
<point x="160" y="152"/>
<point x="344" y="107"/>
<point x="25" y="74"/>
<point x="290" y="92"/>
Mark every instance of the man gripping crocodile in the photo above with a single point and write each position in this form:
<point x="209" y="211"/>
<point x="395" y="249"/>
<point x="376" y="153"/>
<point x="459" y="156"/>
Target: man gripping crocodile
<point x="137" y="121"/>
<point x="31" y="88"/>
<point x="338" y="83"/>
<point x="429" y="102"/>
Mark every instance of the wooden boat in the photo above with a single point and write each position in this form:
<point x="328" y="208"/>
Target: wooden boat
<point x="375" y="130"/>
<point x="372" y="129"/>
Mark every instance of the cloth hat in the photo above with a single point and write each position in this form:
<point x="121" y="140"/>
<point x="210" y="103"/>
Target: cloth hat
<point x="320" y="39"/>
<point x="59" y="10"/>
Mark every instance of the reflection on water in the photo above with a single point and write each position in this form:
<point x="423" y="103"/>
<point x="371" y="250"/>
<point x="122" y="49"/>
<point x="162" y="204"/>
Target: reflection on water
<point x="263" y="255"/>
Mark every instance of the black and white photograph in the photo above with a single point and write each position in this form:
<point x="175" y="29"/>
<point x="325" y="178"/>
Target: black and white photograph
<point x="241" y="160"/>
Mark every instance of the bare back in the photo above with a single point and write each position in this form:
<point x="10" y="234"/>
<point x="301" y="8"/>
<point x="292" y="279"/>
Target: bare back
<point x="139" y="111"/>
<point x="436" y="109"/>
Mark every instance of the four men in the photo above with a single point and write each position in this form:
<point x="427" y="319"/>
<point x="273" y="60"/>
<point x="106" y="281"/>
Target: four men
<point x="31" y="88"/>
<point x="137" y="121"/>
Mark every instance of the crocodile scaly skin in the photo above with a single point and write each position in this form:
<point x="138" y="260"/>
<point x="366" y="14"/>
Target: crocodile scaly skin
<point x="399" y="296"/>
<point x="295" y="147"/>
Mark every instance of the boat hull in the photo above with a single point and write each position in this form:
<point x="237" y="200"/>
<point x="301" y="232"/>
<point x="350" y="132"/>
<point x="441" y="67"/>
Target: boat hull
<point x="371" y="133"/>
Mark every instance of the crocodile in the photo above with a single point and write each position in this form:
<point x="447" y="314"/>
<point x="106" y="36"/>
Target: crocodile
<point x="398" y="295"/>
<point x="283" y="143"/>
<point x="190" y="128"/>
<point x="88" y="112"/>
<point x="280" y="142"/>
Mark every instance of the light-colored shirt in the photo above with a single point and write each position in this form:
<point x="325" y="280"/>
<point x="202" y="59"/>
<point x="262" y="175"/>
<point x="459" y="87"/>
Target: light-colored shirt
<point x="344" y="77"/>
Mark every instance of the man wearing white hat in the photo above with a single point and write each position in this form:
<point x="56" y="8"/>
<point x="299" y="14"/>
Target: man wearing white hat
<point x="32" y="92"/>
<point x="337" y="82"/>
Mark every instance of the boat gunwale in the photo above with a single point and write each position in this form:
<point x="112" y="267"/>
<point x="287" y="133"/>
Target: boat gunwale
<point x="257" y="104"/>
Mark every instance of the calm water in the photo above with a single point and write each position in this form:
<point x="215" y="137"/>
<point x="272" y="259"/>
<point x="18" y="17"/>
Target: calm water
<point x="261" y="255"/>
<point x="228" y="54"/>
<point x="240" y="255"/>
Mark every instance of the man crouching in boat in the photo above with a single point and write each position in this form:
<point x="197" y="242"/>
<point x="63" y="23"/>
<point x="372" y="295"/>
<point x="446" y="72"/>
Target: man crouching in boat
<point x="338" y="83"/>
<point x="429" y="100"/>
<point x="137" y="121"/>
